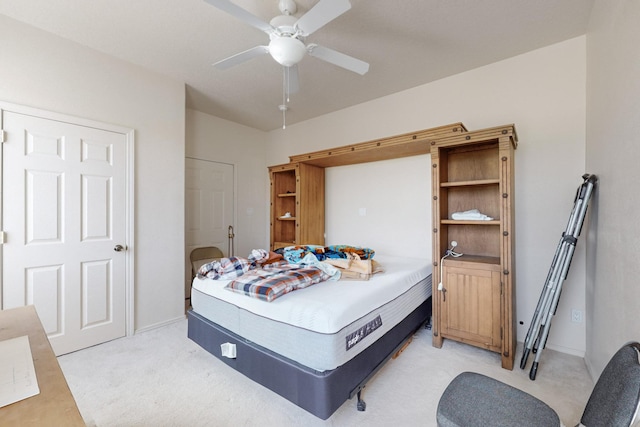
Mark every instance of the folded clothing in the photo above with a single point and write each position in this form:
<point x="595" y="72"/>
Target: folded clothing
<point x="354" y="268"/>
<point x="471" y="214"/>
<point x="294" y="254"/>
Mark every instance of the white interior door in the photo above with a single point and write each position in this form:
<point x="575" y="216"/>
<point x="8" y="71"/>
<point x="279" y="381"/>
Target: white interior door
<point x="209" y="207"/>
<point x="64" y="211"/>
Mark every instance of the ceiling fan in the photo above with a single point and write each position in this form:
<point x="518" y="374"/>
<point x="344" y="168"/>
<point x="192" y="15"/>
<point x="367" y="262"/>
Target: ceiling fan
<point x="287" y="35"/>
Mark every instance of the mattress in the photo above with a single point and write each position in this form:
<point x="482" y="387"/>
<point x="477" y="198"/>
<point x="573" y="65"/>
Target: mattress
<point x="325" y="325"/>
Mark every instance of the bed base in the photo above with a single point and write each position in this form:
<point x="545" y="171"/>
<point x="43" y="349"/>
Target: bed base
<point x="320" y="393"/>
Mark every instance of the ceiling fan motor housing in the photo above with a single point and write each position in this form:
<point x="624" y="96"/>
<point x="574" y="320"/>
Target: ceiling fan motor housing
<point x="284" y="24"/>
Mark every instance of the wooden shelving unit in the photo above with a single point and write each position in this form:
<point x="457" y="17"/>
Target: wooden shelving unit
<point x="394" y="147"/>
<point x="298" y="186"/>
<point x="471" y="170"/>
<point x="475" y="303"/>
<point x="296" y="189"/>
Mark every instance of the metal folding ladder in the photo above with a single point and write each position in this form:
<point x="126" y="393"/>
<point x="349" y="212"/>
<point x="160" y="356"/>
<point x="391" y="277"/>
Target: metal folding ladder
<point x="541" y="323"/>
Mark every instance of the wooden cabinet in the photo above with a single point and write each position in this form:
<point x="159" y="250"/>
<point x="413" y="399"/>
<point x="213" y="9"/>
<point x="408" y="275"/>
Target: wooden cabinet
<point x="471" y="303"/>
<point x="297" y="205"/>
<point x="475" y="301"/>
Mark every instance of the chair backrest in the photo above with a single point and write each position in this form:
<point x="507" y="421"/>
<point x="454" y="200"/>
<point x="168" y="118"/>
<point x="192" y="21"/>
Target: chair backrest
<point x="204" y="255"/>
<point x="615" y="398"/>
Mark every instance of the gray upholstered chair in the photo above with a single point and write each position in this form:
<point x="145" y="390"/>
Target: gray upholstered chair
<point x="201" y="256"/>
<point x="476" y="400"/>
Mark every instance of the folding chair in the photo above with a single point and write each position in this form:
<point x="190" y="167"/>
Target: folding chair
<point x="475" y="400"/>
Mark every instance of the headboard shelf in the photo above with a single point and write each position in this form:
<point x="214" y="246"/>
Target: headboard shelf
<point x="398" y="146"/>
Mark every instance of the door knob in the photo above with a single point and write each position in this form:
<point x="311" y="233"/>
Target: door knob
<point x="118" y="248"/>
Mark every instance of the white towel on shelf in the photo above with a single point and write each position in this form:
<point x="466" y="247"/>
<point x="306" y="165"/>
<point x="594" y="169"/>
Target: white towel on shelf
<point x="471" y="214"/>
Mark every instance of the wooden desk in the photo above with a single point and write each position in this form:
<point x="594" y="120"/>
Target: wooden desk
<point x="54" y="405"/>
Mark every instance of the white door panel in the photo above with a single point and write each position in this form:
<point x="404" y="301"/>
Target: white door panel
<point x="209" y="206"/>
<point x="64" y="210"/>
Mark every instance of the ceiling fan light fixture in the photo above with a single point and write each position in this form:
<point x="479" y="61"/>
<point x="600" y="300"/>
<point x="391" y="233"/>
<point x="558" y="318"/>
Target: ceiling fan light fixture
<point x="287" y="51"/>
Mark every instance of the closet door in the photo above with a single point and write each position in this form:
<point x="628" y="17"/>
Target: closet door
<point x="209" y="208"/>
<point x="65" y="213"/>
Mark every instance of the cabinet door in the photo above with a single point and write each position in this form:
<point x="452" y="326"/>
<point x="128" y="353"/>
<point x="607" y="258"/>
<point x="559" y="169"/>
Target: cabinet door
<point x="471" y="305"/>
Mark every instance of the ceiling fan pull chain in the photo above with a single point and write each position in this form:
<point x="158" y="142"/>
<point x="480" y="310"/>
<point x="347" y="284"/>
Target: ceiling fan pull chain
<point x="287" y="79"/>
<point x="284" y="117"/>
<point x="285" y="96"/>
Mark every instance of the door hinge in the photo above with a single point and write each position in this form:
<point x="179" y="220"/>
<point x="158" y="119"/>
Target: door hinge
<point x="2" y="237"/>
<point x="2" y="136"/>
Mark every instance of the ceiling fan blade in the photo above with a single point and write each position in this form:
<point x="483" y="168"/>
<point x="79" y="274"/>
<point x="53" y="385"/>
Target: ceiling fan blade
<point x="321" y="14"/>
<point x="336" y="58"/>
<point x="291" y="79"/>
<point x="241" y="57"/>
<point x="241" y="14"/>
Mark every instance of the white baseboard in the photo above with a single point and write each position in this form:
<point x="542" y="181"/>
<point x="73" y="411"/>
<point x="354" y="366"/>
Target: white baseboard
<point x="567" y="350"/>
<point x="561" y="349"/>
<point x="159" y="325"/>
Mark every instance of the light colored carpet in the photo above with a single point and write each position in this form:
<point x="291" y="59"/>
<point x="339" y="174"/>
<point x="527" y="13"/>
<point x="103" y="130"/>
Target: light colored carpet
<point x="161" y="378"/>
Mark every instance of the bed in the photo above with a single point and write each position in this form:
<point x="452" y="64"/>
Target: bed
<point x="317" y="346"/>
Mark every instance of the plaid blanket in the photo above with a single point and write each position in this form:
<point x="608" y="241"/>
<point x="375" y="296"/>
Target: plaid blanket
<point x="269" y="284"/>
<point x="232" y="267"/>
<point x="225" y="268"/>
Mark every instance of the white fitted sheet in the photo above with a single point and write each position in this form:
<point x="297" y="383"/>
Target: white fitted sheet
<point x="310" y="325"/>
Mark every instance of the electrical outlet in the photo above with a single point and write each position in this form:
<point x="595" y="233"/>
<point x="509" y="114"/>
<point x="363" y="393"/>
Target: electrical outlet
<point x="576" y="316"/>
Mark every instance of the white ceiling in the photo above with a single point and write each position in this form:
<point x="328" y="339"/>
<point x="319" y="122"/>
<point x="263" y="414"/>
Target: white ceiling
<point x="406" y="42"/>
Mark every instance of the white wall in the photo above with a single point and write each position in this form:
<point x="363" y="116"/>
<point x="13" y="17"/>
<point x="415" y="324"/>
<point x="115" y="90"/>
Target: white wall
<point x="542" y="93"/>
<point x="218" y="140"/>
<point x="50" y="73"/>
<point x="393" y="194"/>
<point x="613" y="151"/>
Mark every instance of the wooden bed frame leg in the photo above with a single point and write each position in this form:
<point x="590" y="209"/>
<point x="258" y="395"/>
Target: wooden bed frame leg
<point x="361" y="405"/>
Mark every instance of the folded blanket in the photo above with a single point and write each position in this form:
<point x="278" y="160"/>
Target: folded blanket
<point x="270" y="284"/>
<point x="472" y="214"/>
<point x="354" y="268"/>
